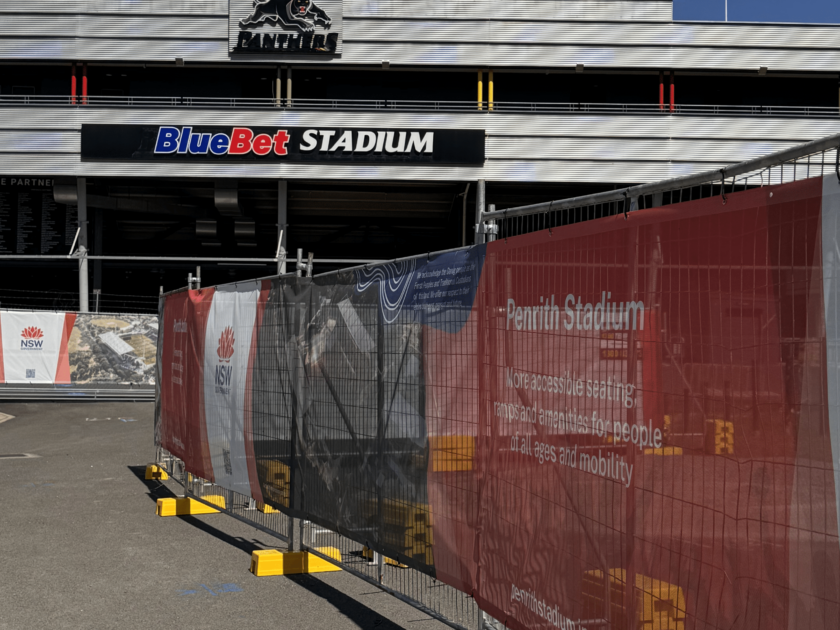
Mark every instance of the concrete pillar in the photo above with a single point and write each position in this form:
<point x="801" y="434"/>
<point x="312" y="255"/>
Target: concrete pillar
<point x="84" y="306"/>
<point x="282" y="221"/>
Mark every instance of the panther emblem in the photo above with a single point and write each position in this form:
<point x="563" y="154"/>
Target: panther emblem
<point x="302" y="14"/>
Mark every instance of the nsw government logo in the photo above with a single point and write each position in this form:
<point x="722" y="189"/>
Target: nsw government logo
<point x="33" y="338"/>
<point x="224" y="373"/>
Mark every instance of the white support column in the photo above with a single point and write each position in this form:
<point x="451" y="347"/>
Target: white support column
<point x="84" y="306"/>
<point x="282" y="221"/>
<point x="97" y="250"/>
<point x="479" y="210"/>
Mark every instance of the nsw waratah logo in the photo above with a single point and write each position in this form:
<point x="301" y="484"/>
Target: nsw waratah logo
<point x="33" y="338"/>
<point x="224" y="373"/>
<point x="226" y="341"/>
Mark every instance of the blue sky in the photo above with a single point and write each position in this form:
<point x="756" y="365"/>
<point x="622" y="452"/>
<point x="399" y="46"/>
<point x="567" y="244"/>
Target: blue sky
<point x="826" y="11"/>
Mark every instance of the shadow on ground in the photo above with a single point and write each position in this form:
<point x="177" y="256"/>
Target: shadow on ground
<point x="351" y="608"/>
<point x="158" y="490"/>
<point x="360" y="614"/>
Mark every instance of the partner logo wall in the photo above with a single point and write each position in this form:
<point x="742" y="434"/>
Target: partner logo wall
<point x="286" y="27"/>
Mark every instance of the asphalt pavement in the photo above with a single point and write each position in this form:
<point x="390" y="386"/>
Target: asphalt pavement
<point x="82" y="548"/>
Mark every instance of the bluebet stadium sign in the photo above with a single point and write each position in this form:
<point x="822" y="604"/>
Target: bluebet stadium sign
<point x="281" y="144"/>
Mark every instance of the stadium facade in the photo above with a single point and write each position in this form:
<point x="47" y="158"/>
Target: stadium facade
<point x="363" y="129"/>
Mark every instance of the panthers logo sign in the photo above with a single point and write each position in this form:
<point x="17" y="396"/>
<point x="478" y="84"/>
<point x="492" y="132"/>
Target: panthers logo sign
<point x="286" y="26"/>
<point x="302" y="14"/>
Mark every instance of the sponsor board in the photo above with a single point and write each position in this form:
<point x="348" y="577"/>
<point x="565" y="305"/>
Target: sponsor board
<point x="77" y="348"/>
<point x="282" y="144"/>
<point x="34" y="347"/>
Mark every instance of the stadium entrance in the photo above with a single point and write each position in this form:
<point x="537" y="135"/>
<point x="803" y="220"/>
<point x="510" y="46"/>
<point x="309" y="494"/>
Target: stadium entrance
<point x="141" y="234"/>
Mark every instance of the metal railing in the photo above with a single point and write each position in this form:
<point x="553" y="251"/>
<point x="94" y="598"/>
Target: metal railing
<point x="68" y="301"/>
<point x="201" y="102"/>
<point x="811" y="159"/>
<point x="436" y="599"/>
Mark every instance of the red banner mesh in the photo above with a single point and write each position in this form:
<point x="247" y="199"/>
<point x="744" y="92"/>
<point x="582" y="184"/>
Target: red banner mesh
<point x="650" y="422"/>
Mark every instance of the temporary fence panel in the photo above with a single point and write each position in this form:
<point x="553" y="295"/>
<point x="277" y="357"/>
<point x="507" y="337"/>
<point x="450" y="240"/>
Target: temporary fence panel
<point x="632" y="422"/>
<point x="46" y="348"/>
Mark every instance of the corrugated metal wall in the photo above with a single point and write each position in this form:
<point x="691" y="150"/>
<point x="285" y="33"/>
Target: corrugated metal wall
<point x="520" y="147"/>
<point x="490" y="33"/>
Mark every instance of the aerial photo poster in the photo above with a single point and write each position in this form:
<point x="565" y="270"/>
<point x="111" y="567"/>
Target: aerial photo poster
<point x="41" y="348"/>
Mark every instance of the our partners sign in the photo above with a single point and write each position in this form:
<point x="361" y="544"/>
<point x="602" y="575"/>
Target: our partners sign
<point x="281" y="144"/>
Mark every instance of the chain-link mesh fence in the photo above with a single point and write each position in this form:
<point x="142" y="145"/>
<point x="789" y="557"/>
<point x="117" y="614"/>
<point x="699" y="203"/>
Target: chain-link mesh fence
<point x="524" y="220"/>
<point x="333" y="413"/>
<point x="627" y="423"/>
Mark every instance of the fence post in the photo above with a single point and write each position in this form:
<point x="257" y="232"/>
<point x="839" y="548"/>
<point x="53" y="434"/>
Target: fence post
<point x="630" y="493"/>
<point x="756" y="418"/>
<point x="282" y="224"/>
<point x="380" y="435"/>
<point x="294" y="534"/>
<point x="295" y="524"/>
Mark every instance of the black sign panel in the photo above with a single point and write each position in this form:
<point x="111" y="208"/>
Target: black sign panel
<point x="31" y="222"/>
<point x="282" y="144"/>
<point x="263" y="43"/>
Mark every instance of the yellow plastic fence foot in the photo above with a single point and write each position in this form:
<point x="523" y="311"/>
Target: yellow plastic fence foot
<point x="664" y="451"/>
<point x="184" y="506"/>
<point x="367" y="553"/>
<point x="266" y="509"/>
<point x="266" y="562"/>
<point x="155" y="473"/>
